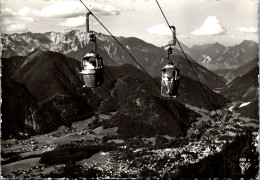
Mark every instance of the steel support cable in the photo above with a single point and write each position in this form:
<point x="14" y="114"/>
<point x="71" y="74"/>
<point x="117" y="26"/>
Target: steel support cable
<point x="133" y="58"/>
<point x="121" y="45"/>
<point x="211" y="104"/>
<point x="204" y="90"/>
<point x="164" y="15"/>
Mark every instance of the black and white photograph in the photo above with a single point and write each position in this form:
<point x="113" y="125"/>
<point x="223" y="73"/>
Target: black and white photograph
<point x="129" y="89"/>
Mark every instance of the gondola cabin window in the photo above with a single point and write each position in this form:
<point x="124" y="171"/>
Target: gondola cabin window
<point x="170" y="81"/>
<point x="93" y="61"/>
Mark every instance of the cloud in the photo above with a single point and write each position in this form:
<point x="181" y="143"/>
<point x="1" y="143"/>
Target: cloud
<point x="182" y="36"/>
<point x="14" y="25"/>
<point x="6" y="21"/>
<point x="15" y="28"/>
<point x="28" y="12"/>
<point x="77" y="22"/>
<point x="74" y="22"/>
<point x="64" y="9"/>
<point x="29" y="19"/>
<point x="247" y="29"/>
<point x="160" y="29"/>
<point x="211" y="26"/>
<point x="8" y="12"/>
<point x="104" y="9"/>
<point x="68" y="9"/>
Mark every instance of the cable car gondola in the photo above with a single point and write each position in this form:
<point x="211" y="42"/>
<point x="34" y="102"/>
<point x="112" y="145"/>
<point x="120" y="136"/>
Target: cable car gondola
<point x="170" y="73"/>
<point x="92" y="63"/>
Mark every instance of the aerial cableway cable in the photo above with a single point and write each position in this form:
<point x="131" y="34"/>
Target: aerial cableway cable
<point x="133" y="58"/>
<point x="204" y="90"/>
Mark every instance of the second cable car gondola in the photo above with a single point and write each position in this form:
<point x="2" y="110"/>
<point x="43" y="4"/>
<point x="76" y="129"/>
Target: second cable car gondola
<point x="92" y="70"/>
<point x="170" y="73"/>
<point x="170" y="80"/>
<point x="92" y="64"/>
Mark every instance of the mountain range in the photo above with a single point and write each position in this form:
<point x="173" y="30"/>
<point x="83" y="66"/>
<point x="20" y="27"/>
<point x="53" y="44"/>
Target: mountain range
<point x="213" y="56"/>
<point x="217" y="56"/>
<point x="51" y="94"/>
<point x="75" y="44"/>
<point x="49" y="83"/>
<point x="63" y="42"/>
<point x="40" y="92"/>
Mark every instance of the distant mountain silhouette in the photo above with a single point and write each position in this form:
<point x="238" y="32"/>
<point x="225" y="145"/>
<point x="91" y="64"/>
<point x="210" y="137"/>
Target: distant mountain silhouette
<point x="205" y="76"/>
<point x="151" y="58"/>
<point x="218" y="57"/>
<point x="185" y="48"/>
<point x="75" y="44"/>
<point x="196" y="50"/>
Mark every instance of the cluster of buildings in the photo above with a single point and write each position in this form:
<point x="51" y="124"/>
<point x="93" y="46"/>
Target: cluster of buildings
<point x="161" y="161"/>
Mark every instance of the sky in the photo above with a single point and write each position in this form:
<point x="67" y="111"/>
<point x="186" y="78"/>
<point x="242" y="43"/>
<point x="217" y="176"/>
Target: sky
<point x="197" y="22"/>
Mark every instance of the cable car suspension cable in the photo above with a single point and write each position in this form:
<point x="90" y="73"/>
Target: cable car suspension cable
<point x="211" y="104"/>
<point x="205" y="92"/>
<point x="133" y="58"/>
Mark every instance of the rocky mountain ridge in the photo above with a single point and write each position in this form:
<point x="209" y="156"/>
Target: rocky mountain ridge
<point x="63" y="42"/>
<point x="44" y="93"/>
<point x="217" y="56"/>
<point x="54" y="84"/>
<point x="75" y="44"/>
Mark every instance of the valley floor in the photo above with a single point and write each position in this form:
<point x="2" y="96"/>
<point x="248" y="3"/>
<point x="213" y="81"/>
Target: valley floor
<point x="135" y="157"/>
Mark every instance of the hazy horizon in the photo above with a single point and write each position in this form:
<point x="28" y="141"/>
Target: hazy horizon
<point x="227" y="45"/>
<point x="197" y="22"/>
